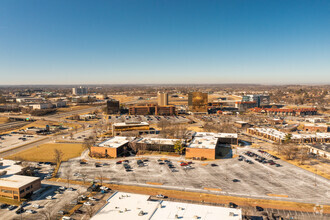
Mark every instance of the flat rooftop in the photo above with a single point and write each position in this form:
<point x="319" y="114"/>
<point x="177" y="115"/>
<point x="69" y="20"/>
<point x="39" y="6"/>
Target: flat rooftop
<point x="16" y="181"/>
<point x="124" y="124"/>
<point x="115" y="142"/>
<point x="162" y="141"/>
<point x="208" y="142"/>
<point x="216" y="135"/>
<point x="131" y="206"/>
<point x="281" y="135"/>
<point x="10" y="167"/>
<point x="324" y="147"/>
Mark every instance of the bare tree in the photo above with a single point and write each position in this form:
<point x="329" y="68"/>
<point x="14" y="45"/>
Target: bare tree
<point x="58" y="156"/>
<point x="84" y="177"/>
<point x="71" y="135"/>
<point x="46" y="214"/>
<point x="88" y="143"/>
<point x="67" y="175"/>
<point x="100" y="176"/>
<point x="90" y="210"/>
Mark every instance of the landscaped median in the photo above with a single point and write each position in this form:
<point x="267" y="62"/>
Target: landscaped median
<point x="211" y="198"/>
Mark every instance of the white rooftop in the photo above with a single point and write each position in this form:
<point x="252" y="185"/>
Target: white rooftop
<point x="128" y="206"/>
<point x="10" y="167"/>
<point x="16" y="181"/>
<point x="157" y="141"/>
<point x="217" y="135"/>
<point x="115" y="142"/>
<point x="122" y="124"/>
<point x="281" y="135"/>
<point x="208" y="142"/>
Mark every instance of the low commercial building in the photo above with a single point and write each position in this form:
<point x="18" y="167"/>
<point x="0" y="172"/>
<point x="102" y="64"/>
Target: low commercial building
<point x="152" y="110"/>
<point x="136" y="206"/>
<point x="286" y="111"/>
<point x="155" y="144"/>
<point x="111" y="148"/>
<point x="13" y="185"/>
<point x="243" y="106"/>
<point x="206" y="145"/>
<point x="137" y="127"/>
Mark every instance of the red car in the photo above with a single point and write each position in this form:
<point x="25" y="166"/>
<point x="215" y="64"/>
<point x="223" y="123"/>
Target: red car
<point x="183" y="164"/>
<point x="119" y="162"/>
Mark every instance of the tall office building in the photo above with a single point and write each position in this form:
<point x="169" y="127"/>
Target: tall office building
<point x="197" y="101"/>
<point x="162" y="98"/>
<point x="112" y="107"/>
<point x="79" y="91"/>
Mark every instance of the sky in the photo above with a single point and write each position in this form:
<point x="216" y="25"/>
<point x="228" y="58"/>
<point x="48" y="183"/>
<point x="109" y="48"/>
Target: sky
<point x="164" y="41"/>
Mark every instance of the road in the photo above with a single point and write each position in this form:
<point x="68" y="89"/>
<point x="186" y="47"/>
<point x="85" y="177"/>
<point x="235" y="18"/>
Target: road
<point x="12" y="125"/>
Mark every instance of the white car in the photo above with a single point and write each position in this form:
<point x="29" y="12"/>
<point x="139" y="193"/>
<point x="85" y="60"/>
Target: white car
<point x="160" y="196"/>
<point x="49" y="197"/>
<point x="62" y="188"/>
<point x="36" y="206"/>
<point x="30" y="211"/>
<point x="88" y="203"/>
<point x="92" y="198"/>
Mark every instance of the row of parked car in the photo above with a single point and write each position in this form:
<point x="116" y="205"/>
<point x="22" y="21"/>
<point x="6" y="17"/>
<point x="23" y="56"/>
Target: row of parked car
<point x="261" y="159"/>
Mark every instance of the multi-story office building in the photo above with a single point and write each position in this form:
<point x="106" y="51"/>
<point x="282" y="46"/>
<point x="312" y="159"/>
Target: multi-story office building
<point x="152" y="110"/>
<point x="197" y="101"/>
<point x="259" y="99"/>
<point x="112" y="107"/>
<point x="162" y="98"/>
<point x="79" y="91"/>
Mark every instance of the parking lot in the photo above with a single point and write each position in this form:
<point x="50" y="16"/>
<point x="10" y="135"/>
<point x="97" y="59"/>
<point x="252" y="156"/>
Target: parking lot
<point x="152" y="119"/>
<point x="9" y="141"/>
<point x="47" y="202"/>
<point x="226" y="176"/>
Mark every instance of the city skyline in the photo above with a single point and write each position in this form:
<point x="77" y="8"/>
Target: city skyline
<point x="164" y="42"/>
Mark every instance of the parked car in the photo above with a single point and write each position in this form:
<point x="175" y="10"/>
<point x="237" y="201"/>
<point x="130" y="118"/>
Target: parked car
<point x="30" y="211"/>
<point x="78" y="211"/>
<point x="49" y="197"/>
<point x="3" y="206"/>
<point x="119" y="162"/>
<point x="36" y="206"/>
<point x="12" y="207"/>
<point x="20" y="210"/>
<point x="88" y="203"/>
<point x="160" y="196"/>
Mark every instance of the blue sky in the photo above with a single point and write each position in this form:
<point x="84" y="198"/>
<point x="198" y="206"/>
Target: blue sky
<point x="164" y="41"/>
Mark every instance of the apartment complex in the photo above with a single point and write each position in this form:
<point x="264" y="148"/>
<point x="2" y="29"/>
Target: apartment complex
<point x="257" y="98"/>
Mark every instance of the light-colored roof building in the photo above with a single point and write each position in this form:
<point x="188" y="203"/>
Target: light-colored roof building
<point x="135" y="206"/>
<point x="115" y="142"/>
<point x="16" y="181"/>
<point x="10" y="167"/>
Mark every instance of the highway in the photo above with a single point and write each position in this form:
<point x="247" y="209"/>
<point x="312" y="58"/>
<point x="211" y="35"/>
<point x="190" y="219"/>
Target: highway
<point x="12" y="125"/>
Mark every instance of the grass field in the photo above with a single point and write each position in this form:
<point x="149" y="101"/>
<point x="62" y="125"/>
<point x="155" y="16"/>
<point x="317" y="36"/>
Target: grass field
<point x="45" y="152"/>
<point x="3" y="120"/>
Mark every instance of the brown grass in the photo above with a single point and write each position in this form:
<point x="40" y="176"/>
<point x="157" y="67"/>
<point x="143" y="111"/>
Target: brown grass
<point x="45" y="152"/>
<point x="3" y="120"/>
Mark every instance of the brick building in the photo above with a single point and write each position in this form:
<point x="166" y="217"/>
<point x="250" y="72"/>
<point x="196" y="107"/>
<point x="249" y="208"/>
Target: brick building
<point x="18" y="186"/>
<point x="152" y="110"/>
<point x="113" y="147"/>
